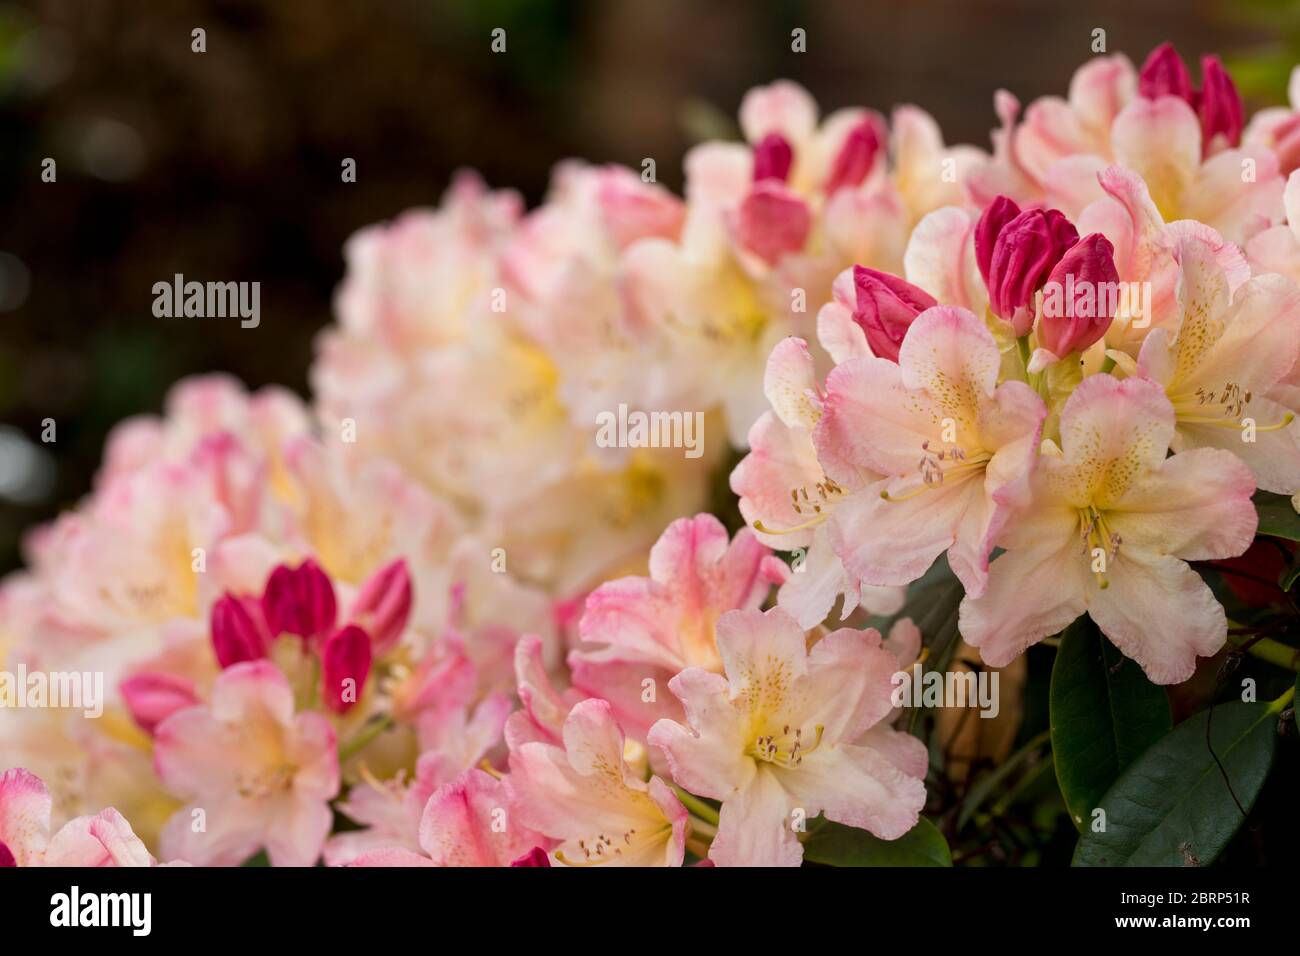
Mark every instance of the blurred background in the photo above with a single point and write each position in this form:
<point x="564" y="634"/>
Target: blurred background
<point x="225" y="165"/>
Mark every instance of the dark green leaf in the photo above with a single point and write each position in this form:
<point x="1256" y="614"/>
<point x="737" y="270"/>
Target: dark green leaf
<point x="1104" y="714"/>
<point x="1172" y="806"/>
<point x="932" y="605"/>
<point x="1277" y="518"/>
<point x="838" y="845"/>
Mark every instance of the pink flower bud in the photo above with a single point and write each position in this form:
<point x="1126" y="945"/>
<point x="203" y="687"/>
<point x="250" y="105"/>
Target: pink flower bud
<point x="383" y="604"/>
<point x="635" y="210"/>
<point x="1079" y="298"/>
<point x="1165" y="74"/>
<point x="1219" y="105"/>
<point x="772" y="158"/>
<point x="6" y="856"/>
<point x="236" y="633"/>
<point x="299" y="601"/>
<point x="856" y="157"/>
<point x="1026" y="250"/>
<point x="992" y="221"/>
<point x="534" y="857"/>
<point x="772" y="221"/>
<point x="886" y="306"/>
<point x="153" y="697"/>
<point x="345" y="665"/>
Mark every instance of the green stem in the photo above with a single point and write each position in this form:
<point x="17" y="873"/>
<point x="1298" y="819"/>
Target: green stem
<point x="1275" y="652"/>
<point x="1279" y="705"/>
<point x="1022" y="347"/>
<point x="703" y="827"/>
<point x="696" y="806"/>
<point x="372" y="729"/>
<point x="1107" y="365"/>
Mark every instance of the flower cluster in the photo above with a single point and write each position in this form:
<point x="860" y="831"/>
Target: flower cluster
<point x="431" y="619"/>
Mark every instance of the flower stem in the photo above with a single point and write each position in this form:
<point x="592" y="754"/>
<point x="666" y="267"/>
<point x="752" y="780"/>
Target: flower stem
<point x="703" y="827"/>
<point x="372" y="729"/>
<point x="1267" y="649"/>
<point x="696" y="806"/>
<point x="1279" y="705"/>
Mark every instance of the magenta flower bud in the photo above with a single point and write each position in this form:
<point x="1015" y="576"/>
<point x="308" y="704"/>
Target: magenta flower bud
<point x="236" y="634"/>
<point x="992" y="221"/>
<point x="1219" y="105"/>
<point x="6" y="856"/>
<point x="534" y="857"/>
<point x="153" y="697"/>
<point x="345" y="665"/>
<point x="1026" y="250"/>
<point x="772" y="221"/>
<point x="1080" y="297"/>
<point x="383" y="604"/>
<point x="1165" y="74"/>
<point x="299" y="601"/>
<point x="886" y="306"/>
<point x="856" y="157"/>
<point x="772" y="158"/>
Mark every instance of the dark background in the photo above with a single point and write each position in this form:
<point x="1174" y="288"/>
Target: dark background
<point x="225" y="165"/>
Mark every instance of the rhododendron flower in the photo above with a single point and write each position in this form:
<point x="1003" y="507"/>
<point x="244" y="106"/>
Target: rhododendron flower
<point x="260" y="775"/>
<point x="786" y="496"/>
<point x="152" y="697"/>
<point x="790" y="733"/>
<point x="1191" y="163"/>
<point x="104" y="839"/>
<point x="383" y="604"/>
<point x="650" y="628"/>
<point x="1017" y="257"/>
<point x="466" y="822"/>
<point x="885" y="308"/>
<point x="1218" y="367"/>
<point x="1278" y="128"/>
<point x="1217" y="104"/>
<point x="1109" y="530"/>
<point x="299" y="601"/>
<point x="390" y="811"/>
<point x="1078" y="309"/>
<point x="585" y="796"/>
<point x="544" y="708"/>
<point x="1277" y="249"/>
<point x="956" y="448"/>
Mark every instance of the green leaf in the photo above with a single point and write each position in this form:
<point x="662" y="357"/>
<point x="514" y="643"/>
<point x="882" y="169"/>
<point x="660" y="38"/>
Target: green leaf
<point x="932" y="605"/>
<point x="1277" y="518"/>
<point x="1172" y="806"/>
<point x="837" y="845"/>
<point x="1104" y="714"/>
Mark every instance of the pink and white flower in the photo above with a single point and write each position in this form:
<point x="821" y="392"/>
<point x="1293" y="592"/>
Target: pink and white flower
<point x="254" y="773"/>
<point x="789" y="733"/>
<point x="585" y="795"/>
<point x="1109" y="531"/>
